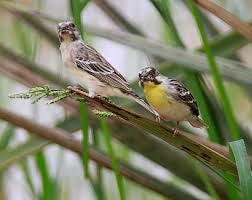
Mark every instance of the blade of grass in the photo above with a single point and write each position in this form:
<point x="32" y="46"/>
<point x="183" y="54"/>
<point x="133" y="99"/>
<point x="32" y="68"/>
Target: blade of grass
<point x="240" y="156"/>
<point x="83" y="4"/>
<point x="85" y="143"/>
<point x="99" y="177"/>
<point x="41" y="164"/>
<point x="76" y="13"/>
<point x="25" y="42"/>
<point x="234" y="131"/>
<point x="197" y="88"/>
<point x="192" y="78"/>
<point x="108" y="140"/>
<point x="21" y="34"/>
<point x="228" y="112"/>
<point x="7" y="134"/>
<point x="27" y="176"/>
<point x="6" y="137"/>
<point x="77" y="6"/>
<point x="206" y="181"/>
<point x="163" y="8"/>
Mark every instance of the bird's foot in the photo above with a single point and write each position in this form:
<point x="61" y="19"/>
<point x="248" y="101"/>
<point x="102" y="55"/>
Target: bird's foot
<point x="158" y="119"/>
<point x="106" y="99"/>
<point x="175" y="132"/>
<point x="101" y="97"/>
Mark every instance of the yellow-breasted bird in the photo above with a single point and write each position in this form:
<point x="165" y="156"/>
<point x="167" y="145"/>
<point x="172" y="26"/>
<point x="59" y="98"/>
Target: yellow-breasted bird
<point x="169" y="98"/>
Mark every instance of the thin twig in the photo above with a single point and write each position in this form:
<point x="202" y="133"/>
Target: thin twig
<point x="241" y="27"/>
<point x="184" y="141"/>
<point x="62" y="138"/>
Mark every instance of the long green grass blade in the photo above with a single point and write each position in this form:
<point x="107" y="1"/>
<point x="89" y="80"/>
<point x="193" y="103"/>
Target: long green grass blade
<point x="27" y="176"/>
<point x="99" y="175"/>
<point x="192" y="78"/>
<point x="228" y="111"/>
<point x="198" y="89"/>
<point x="85" y="143"/>
<point x="83" y="4"/>
<point x="44" y="174"/>
<point x="164" y="9"/>
<point x="77" y="7"/>
<point x="7" y="134"/>
<point x="205" y="180"/>
<point x="6" y="137"/>
<point x="240" y="156"/>
<point x="25" y="42"/>
<point x="108" y="141"/>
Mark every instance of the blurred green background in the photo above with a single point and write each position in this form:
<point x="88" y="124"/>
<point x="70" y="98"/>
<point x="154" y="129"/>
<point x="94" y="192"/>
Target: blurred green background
<point x="130" y="35"/>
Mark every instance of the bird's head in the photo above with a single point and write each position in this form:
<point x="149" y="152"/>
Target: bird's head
<point x="67" y="31"/>
<point x="149" y="75"/>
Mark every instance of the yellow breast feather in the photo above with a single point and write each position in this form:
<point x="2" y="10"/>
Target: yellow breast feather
<point x="157" y="96"/>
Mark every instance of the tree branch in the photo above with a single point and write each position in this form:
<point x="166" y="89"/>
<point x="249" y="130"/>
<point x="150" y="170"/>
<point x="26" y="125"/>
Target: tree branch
<point x="135" y="140"/>
<point x="205" y="151"/>
<point x="241" y="27"/>
<point x="65" y="140"/>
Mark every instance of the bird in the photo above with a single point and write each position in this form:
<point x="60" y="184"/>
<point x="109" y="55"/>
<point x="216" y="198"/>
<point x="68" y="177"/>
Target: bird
<point x="91" y="70"/>
<point x="169" y="98"/>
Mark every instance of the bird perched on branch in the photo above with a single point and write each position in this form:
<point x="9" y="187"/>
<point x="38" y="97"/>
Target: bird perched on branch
<point x="169" y="98"/>
<point x="91" y="69"/>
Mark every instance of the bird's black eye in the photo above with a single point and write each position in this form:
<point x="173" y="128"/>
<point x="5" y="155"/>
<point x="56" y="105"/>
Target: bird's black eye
<point x="72" y="25"/>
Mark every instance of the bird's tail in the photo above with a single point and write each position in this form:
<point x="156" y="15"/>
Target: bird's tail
<point x="140" y="101"/>
<point x="197" y="122"/>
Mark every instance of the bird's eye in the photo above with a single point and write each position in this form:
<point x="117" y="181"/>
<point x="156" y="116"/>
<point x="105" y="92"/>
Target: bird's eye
<point x="72" y="25"/>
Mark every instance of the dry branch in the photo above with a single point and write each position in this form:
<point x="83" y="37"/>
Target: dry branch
<point x="241" y="27"/>
<point x="62" y="138"/>
<point x="205" y="152"/>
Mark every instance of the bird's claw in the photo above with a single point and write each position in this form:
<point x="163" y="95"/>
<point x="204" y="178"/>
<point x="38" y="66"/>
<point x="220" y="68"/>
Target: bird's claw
<point x="102" y="98"/>
<point x="158" y="119"/>
<point x="106" y="99"/>
<point x="175" y="132"/>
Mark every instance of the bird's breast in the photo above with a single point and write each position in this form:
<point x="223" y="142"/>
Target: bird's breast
<point x="168" y="107"/>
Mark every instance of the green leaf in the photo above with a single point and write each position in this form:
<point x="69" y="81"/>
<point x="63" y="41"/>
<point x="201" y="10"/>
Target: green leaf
<point x="76" y="7"/>
<point x="44" y="174"/>
<point x="115" y="165"/>
<point x="228" y="111"/>
<point x="27" y="176"/>
<point x="85" y="144"/>
<point x="6" y="137"/>
<point x="164" y="9"/>
<point x="205" y="180"/>
<point x="239" y="153"/>
<point x="83" y="4"/>
<point x="8" y="157"/>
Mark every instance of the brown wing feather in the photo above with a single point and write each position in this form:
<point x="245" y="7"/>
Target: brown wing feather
<point x="89" y="60"/>
<point x="184" y="95"/>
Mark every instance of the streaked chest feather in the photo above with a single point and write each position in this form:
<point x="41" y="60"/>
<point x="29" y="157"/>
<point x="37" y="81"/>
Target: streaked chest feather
<point x="168" y="107"/>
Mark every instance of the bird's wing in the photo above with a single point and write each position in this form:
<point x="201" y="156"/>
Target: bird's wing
<point x="179" y="92"/>
<point x="89" y="60"/>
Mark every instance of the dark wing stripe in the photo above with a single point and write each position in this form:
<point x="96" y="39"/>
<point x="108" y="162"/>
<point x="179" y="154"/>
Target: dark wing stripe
<point x="184" y="95"/>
